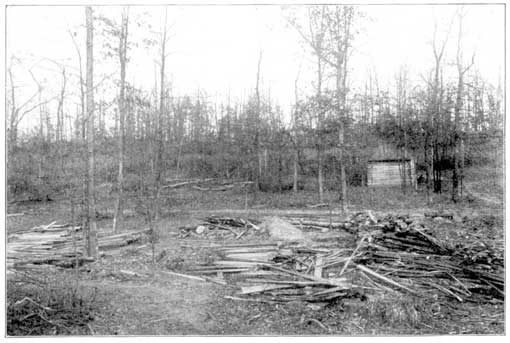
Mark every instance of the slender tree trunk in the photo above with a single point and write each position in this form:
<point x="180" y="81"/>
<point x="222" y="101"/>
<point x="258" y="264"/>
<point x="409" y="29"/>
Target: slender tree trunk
<point x="320" y="178"/>
<point x="296" y="174"/>
<point x="91" y="206"/>
<point x="117" y="219"/>
<point x="320" y="119"/>
<point x="458" y="144"/>
<point x="296" y="146"/>
<point x="341" y="85"/>
<point x="13" y="126"/>
<point x="257" y="124"/>
<point x="160" y="148"/>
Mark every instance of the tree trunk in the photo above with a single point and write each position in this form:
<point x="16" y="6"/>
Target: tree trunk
<point x="159" y="156"/>
<point x="295" y="183"/>
<point x="319" y="175"/>
<point x="320" y="119"/>
<point x="458" y="144"/>
<point x="257" y="119"/>
<point x="343" y="21"/>
<point x="117" y="218"/>
<point x="91" y="231"/>
<point x="13" y="126"/>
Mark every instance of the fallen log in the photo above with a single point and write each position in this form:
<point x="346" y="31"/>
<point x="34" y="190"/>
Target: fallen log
<point x="186" y="183"/>
<point x="214" y="189"/>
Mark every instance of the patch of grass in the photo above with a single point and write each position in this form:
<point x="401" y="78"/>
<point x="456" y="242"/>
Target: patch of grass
<point x="49" y="304"/>
<point x="397" y="311"/>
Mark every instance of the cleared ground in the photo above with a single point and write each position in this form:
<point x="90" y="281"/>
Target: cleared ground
<point x="152" y="302"/>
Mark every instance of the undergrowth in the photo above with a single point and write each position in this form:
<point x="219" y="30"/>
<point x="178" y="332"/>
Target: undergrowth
<point x="49" y="304"/>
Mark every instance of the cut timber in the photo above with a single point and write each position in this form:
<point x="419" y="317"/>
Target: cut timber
<point x="383" y="278"/>
<point x="319" y="263"/>
<point x="185" y="183"/>
<point x="256" y="256"/>
<point x="59" y="245"/>
<point x="262" y="288"/>
<point x="242" y="250"/>
<point x="221" y="270"/>
<point x="121" y="239"/>
<point x="238" y="264"/>
<point x="9" y="215"/>
<point x="191" y="277"/>
<point x="445" y="215"/>
<point x="214" y="189"/>
<point x="339" y="283"/>
<point x="290" y="282"/>
<point x="249" y="245"/>
<point x="317" y="205"/>
<point x="250" y="300"/>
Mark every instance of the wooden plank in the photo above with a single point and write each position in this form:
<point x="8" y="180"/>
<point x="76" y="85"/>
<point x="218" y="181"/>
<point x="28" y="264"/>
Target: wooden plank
<point x="262" y="288"/>
<point x="220" y="270"/>
<point x="262" y="257"/>
<point x="383" y="278"/>
<point x="237" y="264"/>
<point x="319" y="262"/>
<point x="290" y="282"/>
<point x="249" y="250"/>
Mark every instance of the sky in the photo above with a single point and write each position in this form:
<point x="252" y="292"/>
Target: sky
<point x="216" y="48"/>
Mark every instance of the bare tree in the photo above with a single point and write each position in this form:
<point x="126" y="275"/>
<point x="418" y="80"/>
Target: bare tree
<point x="340" y="20"/>
<point x="91" y="231"/>
<point x="294" y="137"/>
<point x="122" y="53"/>
<point x="161" y="112"/>
<point x="82" y="83"/>
<point x="401" y="103"/>
<point x="60" y="108"/>
<point x="457" y="139"/>
<point x="256" y="143"/>
<point x="315" y="36"/>
<point x="435" y="110"/>
<point x="18" y="112"/>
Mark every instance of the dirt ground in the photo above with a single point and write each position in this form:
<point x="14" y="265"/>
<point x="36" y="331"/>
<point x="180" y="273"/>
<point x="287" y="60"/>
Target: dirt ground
<point x="154" y="302"/>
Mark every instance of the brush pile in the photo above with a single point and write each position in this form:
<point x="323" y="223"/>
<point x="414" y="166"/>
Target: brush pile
<point x="222" y="228"/>
<point x="58" y="244"/>
<point x="394" y="254"/>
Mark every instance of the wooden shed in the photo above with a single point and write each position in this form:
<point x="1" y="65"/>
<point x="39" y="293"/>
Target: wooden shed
<point x="388" y="167"/>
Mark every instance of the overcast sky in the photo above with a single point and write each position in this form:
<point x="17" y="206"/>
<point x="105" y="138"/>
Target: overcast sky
<point x="216" y="48"/>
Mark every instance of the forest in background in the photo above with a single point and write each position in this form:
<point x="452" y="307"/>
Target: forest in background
<point x="452" y="119"/>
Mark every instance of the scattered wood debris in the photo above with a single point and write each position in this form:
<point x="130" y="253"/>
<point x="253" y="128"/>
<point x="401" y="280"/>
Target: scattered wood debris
<point x="444" y="215"/>
<point x="223" y="227"/>
<point x="394" y="253"/>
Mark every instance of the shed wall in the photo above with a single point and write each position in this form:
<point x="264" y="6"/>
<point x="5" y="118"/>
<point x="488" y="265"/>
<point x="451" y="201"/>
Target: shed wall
<point x="390" y="173"/>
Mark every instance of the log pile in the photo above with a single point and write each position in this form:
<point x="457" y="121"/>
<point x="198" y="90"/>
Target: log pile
<point x="222" y="228"/>
<point x="59" y="244"/>
<point x="209" y="184"/>
<point x="279" y="273"/>
<point x="393" y="254"/>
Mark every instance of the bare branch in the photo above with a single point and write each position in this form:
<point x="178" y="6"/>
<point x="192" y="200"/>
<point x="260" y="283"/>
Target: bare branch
<point x="25" y="112"/>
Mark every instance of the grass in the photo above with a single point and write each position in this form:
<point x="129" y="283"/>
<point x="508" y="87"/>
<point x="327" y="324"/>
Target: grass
<point x="52" y="303"/>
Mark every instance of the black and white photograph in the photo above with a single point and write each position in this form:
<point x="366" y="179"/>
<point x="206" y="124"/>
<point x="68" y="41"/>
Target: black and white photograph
<point x="254" y="169"/>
